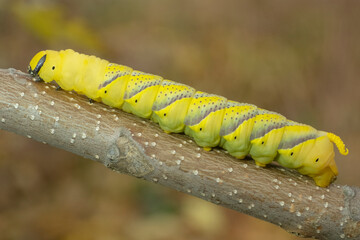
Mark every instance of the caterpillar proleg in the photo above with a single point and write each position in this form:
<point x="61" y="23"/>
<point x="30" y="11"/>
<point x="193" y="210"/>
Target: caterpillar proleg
<point x="211" y="120"/>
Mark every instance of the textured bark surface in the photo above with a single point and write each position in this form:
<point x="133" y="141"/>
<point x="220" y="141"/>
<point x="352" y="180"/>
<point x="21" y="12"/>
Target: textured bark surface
<point x="138" y="147"/>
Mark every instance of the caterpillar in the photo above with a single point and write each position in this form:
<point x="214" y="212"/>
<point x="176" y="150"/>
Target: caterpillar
<point x="241" y="129"/>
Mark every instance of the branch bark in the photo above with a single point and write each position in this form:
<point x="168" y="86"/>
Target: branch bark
<point x="138" y="147"/>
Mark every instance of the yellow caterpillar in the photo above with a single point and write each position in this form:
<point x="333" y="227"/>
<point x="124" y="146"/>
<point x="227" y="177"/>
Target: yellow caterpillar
<point x="242" y="129"/>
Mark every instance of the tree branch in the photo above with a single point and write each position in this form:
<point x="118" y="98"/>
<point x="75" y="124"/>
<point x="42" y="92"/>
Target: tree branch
<point x="128" y="144"/>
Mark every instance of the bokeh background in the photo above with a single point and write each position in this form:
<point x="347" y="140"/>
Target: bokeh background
<point x="299" y="58"/>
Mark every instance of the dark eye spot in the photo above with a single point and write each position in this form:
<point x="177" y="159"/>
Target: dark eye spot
<point x="164" y="114"/>
<point x="262" y="142"/>
<point x="235" y="137"/>
<point x="53" y="67"/>
<point x="317" y="160"/>
<point x="291" y="153"/>
<point x="200" y="129"/>
<point x="136" y="100"/>
<point x="105" y="91"/>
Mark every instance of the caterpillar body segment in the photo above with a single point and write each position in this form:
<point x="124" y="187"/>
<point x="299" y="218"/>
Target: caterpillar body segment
<point x="211" y="120"/>
<point x="236" y="128"/>
<point x="302" y="157"/>
<point x="112" y="89"/>
<point x="266" y="136"/>
<point x="171" y="106"/>
<point x="140" y="93"/>
<point x="296" y="139"/>
<point x="204" y="119"/>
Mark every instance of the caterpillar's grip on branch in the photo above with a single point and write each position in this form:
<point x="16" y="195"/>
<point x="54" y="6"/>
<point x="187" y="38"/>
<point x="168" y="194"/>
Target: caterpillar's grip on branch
<point x="242" y="129"/>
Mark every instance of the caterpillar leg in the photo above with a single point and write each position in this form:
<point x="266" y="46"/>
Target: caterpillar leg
<point x="262" y="161"/>
<point x="37" y="79"/>
<point x="58" y="88"/>
<point x="327" y="177"/>
<point x="260" y="164"/>
<point x="207" y="149"/>
<point x="168" y="132"/>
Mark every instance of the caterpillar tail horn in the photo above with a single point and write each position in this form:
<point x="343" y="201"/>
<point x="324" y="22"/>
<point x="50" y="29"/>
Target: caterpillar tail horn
<point x="339" y="143"/>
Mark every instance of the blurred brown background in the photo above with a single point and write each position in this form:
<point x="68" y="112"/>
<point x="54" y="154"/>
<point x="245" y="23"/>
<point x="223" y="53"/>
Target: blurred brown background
<point x="299" y="58"/>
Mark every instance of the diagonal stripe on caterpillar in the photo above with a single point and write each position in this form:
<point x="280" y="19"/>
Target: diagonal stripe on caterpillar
<point x="211" y="120"/>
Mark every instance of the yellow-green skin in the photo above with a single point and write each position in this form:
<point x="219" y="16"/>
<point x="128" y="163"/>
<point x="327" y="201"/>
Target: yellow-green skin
<point x="242" y="129"/>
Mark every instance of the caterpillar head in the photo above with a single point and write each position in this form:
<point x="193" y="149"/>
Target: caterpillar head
<point x="45" y="65"/>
